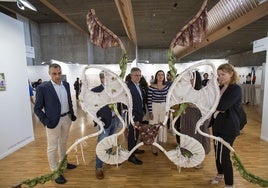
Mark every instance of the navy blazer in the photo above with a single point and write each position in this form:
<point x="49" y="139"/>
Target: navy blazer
<point x="105" y="113"/>
<point x="137" y="102"/>
<point x="47" y="99"/>
<point x="228" y="123"/>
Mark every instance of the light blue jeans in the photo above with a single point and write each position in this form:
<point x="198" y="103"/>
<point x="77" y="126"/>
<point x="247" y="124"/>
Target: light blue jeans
<point x="107" y="132"/>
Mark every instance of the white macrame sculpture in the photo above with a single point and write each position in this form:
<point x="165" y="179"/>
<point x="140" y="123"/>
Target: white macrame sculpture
<point x="115" y="91"/>
<point x="190" y="152"/>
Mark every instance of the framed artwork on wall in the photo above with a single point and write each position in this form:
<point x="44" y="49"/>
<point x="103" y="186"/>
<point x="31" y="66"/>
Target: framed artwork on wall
<point x="2" y="82"/>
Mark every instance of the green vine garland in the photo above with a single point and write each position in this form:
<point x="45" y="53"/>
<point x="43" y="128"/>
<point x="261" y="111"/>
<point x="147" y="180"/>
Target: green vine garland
<point x="47" y="177"/>
<point x="123" y="64"/>
<point x="245" y="174"/>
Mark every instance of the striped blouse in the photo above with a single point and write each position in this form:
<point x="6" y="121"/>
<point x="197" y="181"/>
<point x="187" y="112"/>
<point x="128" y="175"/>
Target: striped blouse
<point x="157" y="96"/>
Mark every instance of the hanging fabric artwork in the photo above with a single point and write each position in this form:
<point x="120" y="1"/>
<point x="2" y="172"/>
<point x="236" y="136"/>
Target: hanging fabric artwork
<point x="103" y="37"/>
<point x="194" y="31"/>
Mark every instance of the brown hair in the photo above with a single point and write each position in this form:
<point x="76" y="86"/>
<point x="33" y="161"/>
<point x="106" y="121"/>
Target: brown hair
<point x="229" y="68"/>
<point x="155" y="77"/>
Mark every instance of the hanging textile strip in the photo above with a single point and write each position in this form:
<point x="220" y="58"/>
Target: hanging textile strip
<point x="101" y="35"/>
<point x="194" y="31"/>
<point x="105" y="38"/>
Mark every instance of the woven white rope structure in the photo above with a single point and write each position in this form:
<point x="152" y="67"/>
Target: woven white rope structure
<point x="187" y="160"/>
<point x="103" y="150"/>
<point x="190" y="152"/>
<point x="115" y="91"/>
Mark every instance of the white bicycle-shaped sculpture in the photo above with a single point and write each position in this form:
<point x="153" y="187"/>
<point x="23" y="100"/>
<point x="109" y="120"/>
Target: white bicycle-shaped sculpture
<point x="190" y="152"/>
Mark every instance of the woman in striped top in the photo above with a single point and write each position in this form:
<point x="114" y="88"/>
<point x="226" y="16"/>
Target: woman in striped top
<point x="157" y="93"/>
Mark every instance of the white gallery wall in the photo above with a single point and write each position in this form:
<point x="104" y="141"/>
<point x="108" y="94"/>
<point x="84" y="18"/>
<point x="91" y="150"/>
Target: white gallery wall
<point x="150" y="69"/>
<point x="72" y="71"/>
<point x="16" y="127"/>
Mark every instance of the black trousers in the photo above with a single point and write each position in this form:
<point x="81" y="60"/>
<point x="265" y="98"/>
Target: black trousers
<point x="76" y="94"/>
<point x="223" y="160"/>
<point x="133" y="135"/>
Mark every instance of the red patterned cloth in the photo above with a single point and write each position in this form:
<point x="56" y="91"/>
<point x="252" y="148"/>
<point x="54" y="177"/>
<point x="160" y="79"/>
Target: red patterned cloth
<point x="99" y="34"/>
<point x="148" y="132"/>
<point x="194" y="31"/>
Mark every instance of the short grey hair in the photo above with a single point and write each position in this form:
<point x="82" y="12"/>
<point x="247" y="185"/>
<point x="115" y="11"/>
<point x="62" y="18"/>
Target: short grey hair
<point x="54" y="65"/>
<point x="135" y="69"/>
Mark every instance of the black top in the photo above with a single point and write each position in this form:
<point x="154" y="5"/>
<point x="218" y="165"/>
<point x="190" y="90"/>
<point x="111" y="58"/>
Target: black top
<point x="227" y="122"/>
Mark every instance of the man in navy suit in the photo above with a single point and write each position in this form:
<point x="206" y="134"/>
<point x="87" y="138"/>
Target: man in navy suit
<point x="106" y="116"/>
<point x="137" y="99"/>
<point x="54" y="108"/>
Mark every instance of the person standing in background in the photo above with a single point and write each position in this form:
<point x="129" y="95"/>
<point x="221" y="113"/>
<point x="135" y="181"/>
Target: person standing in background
<point x="253" y="79"/>
<point x="31" y="93"/>
<point x="152" y="79"/>
<point x="37" y="83"/>
<point x="226" y="122"/>
<point x="77" y="88"/>
<point x="80" y="86"/>
<point x="169" y="78"/>
<point x="248" y="78"/>
<point x="54" y="108"/>
<point x="205" y="80"/>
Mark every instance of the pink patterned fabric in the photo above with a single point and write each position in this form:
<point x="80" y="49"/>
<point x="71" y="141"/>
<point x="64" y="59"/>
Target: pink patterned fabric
<point x="194" y="31"/>
<point x="99" y="34"/>
<point x="148" y="132"/>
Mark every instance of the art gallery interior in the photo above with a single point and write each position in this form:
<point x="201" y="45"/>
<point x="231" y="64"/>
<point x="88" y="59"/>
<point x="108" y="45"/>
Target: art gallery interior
<point x="58" y="32"/>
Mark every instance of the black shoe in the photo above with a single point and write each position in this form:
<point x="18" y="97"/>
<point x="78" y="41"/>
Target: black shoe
<point x="70" y="166"/>
<point x="139" y="151"/>
<point x="135" y="160"/>
<point x="60" y="180"/>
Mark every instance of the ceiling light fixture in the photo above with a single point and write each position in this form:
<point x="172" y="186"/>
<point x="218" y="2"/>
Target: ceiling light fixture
<point x="24" y="3"/>
<point x="20" y="5"/>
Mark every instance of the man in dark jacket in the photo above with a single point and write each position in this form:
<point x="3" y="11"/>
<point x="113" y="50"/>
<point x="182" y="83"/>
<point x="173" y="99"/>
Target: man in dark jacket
<point x="54" y="108"/>
<point x="137" y="112"/>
